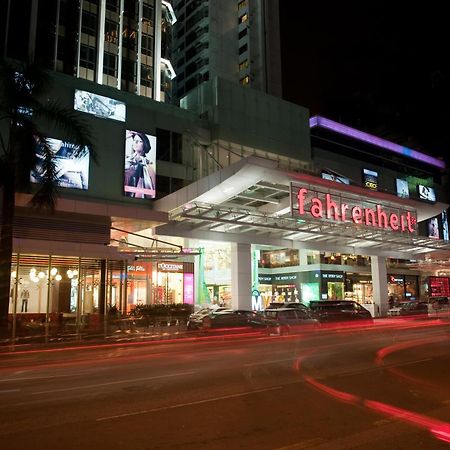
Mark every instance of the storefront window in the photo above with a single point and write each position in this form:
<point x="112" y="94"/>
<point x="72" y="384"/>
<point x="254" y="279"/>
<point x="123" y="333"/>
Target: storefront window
<point x="278" y="258"/>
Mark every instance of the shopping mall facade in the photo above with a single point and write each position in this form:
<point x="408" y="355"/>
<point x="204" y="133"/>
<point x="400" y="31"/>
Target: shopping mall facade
<point x="252" y="202"/>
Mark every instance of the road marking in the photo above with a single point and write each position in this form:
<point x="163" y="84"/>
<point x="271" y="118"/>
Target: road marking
<point x="304" y="444"/>
<point x="273" y="361"/>
<point x="9" y="390"/>
<point x="182" y="405"/>
<point x="7" y="380"/>
<point x="113" y="383"/>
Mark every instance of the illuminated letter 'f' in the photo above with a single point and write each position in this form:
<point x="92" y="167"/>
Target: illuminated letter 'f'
<point x="301" y="200"/>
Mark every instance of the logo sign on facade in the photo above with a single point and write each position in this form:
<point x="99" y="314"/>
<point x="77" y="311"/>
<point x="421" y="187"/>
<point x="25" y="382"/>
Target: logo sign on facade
<point x="350" y="209"/>
<point x="256" y="300"/>
<point x="332" y="276"/>
<point x="370" y="179"/>
<point x="170" y="267"/>
<point x="287" y="277"/>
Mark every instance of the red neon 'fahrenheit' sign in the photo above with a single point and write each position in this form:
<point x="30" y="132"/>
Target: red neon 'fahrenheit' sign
<point x="327" y="208"/>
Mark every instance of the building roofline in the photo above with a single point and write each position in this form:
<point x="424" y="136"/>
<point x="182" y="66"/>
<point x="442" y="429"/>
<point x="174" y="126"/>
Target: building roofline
<point x="322" y="122"/>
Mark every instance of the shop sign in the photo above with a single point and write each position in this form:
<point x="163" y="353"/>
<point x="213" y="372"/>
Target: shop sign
<point x="188" y="287"/>
<point x="395" y="280"/>
<point x="340" y="208"/>
<point x="170" y="267"/>
<point x="332" y="276"/>
<point x="264" y="279"/>
<point x="256" y="300"/>
<point x="289" y="277"/>
<point x="136" y="268"/>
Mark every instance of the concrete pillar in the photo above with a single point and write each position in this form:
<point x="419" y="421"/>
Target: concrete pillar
<point x="379" y="283"/>
<point x="241" y="276"/>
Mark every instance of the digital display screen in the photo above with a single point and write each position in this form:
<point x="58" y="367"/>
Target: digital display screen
<point x="402" y="188"/>
<point x="426" y="193"/>
<point x="444" y="226"/>
<point x="99" y="106"/>
<point x="439" y="286"/>
<point x="71" y="164"/>
<point x="334" y="177"/>
<point x="433" y="228"/>
<point x="140" y="165"/>
<point x="370" y="179"/>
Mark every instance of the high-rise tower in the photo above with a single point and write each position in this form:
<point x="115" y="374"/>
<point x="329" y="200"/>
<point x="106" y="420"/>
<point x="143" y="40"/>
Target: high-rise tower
<point x="121" y="43"/>
<point x="234" y="39"/>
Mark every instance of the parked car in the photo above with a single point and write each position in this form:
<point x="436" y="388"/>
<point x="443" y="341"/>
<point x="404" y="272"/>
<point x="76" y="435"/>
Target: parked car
<point x="339" y="311"/>
<point x="287" y="320"/>
<point x="195" y="321"/>
<point x="409" y="309"/>
<point x="233" y="319"/>
<point x="294" y="305"/>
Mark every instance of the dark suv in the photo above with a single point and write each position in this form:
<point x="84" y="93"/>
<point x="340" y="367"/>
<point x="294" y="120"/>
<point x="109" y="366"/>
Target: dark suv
<point x="339" y="311"/>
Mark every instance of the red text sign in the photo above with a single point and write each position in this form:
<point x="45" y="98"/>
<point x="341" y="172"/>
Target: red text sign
<point x="341" y="209"/>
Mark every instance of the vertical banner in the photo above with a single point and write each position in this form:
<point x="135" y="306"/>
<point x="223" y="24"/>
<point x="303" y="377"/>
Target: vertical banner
<point x="140" y="165"/>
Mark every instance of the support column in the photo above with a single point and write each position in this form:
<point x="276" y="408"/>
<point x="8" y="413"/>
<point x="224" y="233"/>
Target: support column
<point x="241" y="276"/>
<point x="379" y="283"/>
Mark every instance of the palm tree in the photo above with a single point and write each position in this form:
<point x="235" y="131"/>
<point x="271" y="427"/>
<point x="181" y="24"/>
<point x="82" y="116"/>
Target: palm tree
<point x="23" y="116"/>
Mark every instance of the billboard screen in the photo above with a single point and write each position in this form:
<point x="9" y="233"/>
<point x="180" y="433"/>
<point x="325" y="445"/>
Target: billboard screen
<point x="99" y="106"/>
<point x="72" y="165"/>
<point x="426" y="193"/>
<point x="402" y="188"/>
<point x="444" y="226"/>
<point x="326" y="175"/>
<point x="140" y="165"/>
<point x="433" y="228"/>
<point x="370" y="179"/>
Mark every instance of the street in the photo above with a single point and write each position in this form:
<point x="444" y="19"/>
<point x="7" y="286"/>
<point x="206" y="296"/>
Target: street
<point x="374" y="387"/>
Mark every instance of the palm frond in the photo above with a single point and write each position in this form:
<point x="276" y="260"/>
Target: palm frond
<point x="68" y="123"/>
<point x="45" y="173"/>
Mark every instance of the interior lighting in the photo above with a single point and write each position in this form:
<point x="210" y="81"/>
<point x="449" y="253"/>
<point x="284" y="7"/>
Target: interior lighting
<point x="41" y="275"/>
<point x="58" y="277"/>
<point x="54" y="271"/>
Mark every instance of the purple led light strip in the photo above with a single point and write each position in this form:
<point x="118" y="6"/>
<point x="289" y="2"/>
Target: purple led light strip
<point x="321" y="122"/>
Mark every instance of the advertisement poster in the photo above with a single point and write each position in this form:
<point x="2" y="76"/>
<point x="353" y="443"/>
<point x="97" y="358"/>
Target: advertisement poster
<point x="433" y="228"/>
<point x="328" y="175"/>
<point x="140" y="165"/>
<point x="99" y="106"/>
<point x="370" y="179"/>
<point x="72" y="165"/>
<point x="444" y="226"/>
<point x="402" y="188"/>
<point x="426" y="193"/>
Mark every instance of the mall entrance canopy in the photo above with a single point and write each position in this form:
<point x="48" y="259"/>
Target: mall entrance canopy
<point x="254" y="201"/>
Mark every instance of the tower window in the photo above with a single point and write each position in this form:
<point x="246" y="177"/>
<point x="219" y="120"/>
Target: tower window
<point x="243" y="18"/>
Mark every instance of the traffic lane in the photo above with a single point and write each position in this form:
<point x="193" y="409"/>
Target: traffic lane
<point x="285" y="416"/>
<point x="203" y="358"/>
<point x="253" y="373"/>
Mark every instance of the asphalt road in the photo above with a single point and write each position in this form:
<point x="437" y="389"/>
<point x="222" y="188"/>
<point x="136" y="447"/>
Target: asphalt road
<point x="386" y="386"/>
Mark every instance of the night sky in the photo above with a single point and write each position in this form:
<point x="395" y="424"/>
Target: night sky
<point x="367" y="65"/>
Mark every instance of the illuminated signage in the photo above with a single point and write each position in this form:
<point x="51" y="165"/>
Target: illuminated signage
<point x="433" y="228"/>
<point x="370" y="179"/>
<point x="334" y="208"/>
<point x="444" y="226"/>
<point x="329" y="175"/>
<point x="332" y="276"/>
<point x="426" y="193"/>
<point x="188" y="288"/>
<point x="439" y="286"/>
<point x="71" y="164"/>
<point x="140" y="165"/>
<point x="170" y="267"/>
<point x="99" y="106"/>
<point x="402" y="188"/>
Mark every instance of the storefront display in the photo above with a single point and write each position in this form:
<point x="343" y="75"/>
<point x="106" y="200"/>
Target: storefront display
<point x="332" y="286"/>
